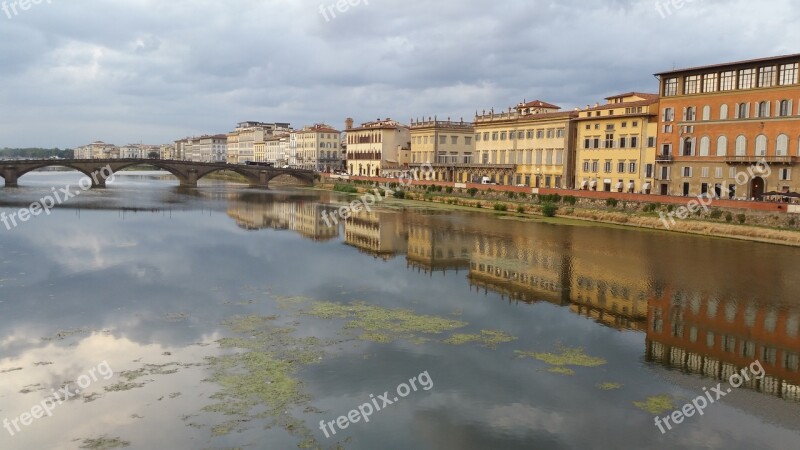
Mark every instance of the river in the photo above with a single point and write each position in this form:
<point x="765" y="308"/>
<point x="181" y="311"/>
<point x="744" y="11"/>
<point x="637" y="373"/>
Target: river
<point x="230" y="317"/>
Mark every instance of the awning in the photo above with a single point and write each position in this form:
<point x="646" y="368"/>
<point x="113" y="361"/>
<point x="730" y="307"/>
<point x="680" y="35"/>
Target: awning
<point x="593" y="183"/>
<point x="631" y="186"/>
<point x="619" y="186"/>
<point x="646" y="187"/>
<point x="583" y="185"/>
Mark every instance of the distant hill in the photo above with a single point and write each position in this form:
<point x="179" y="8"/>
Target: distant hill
<point x="36" y="153"/>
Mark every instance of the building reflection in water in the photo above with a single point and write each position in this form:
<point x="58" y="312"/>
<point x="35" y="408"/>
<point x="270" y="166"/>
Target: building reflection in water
<point x="687" y="330"/>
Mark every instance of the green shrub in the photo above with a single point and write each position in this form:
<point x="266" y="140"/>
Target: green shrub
<point x="741" y="218"/>
<point x="500" y="207"/>
<point x="715" y="214"/>
<point x="521" y="210"/>
<point x="346" y="188"/>
<point x="612" y="202"/>
<point x="670" y="208"/>
<point x="549" y="209"/>
<point x="651" y="207"/>
<point x="479" y="205"/>
<point x="792" y="222"/>
<point x="728" y="217"/>
<point x="553" y="198"/>
<point x="400" y="194"/>
<point x="570" y="200"/>
<point x="449" y="189"/>
<point x="511" y="194"/>
<point x="472" y="191"/>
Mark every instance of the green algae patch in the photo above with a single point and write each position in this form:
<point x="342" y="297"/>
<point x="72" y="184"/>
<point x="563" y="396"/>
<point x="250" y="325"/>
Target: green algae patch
<point x="104" y="443"/>
<point x="384" y="325"/>
<point x="123" y="386"/>
<point x="656" y="405"/>
<point x="259" y="382"/>
<point x="608" y="386"/>
<point x="291" y="302"/>
<point x="568" y="357"/>
<point x="486" y="338"/>
<point x="560" y="370"/>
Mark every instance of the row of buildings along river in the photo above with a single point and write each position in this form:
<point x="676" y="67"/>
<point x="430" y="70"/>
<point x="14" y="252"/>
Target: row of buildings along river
<point x="703" y="326"/>
<point x="703" y="127"/>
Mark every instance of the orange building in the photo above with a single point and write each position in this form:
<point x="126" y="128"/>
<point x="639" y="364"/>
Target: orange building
<point x="717" y="122"/>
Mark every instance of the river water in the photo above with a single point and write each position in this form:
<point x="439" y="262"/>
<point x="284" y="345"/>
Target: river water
<point x="229" y="317"/>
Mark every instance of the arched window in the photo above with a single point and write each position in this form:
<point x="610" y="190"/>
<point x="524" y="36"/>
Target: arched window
<point x="763" y="109"/>
<point x="741" y="146"/>
<point x="722" y="146"/>
<point x="782" y="148"/>
<point x="705" y="145"/>
<point x="723" y="112"/>
<point x="761" y="145"/>
<point x="743" y="110"/>
<point x="706" y="112"/>
<point x="785" y="108"/>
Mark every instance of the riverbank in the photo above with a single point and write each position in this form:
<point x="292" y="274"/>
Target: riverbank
<point x="756" y="226"/>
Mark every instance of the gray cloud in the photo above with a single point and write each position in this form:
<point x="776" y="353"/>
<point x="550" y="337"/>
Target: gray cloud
<point x="150" y="71"/>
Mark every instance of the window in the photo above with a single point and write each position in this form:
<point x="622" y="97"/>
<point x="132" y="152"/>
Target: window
<point x="722" y="146"/>
<point x="495" y="136"/>
<point x="594" y="166"/>
<point x="477" y="137"/>
<point x="609" y="141"/>
<point x="632" y="167"/>
<point x="649" y="171"/>
<point x="668" y="115"/>
<point x="607" y="167"/>
<point x="687" y="172"/>
<point x="560" y="157"/>
<point x="549" y="157"/>
<point x="634" y="142"/>
<point x="705" y="146"/>
<point x="761" y="145"/>
<point x="741" y="146"/>
<point x="539" y="134"/>
<point x="623" y="142"/>
<point x="782" y="147"/>
<point x="651" y="142"/>
<point x="520" y="136"/>
<point x="621" y="167"/>
<point x="723" y="112"/>
<point x="560" y="133"/>
<point x="785" y="174"/>
<point x="454" y="140"/>
<point x="467" y="140"/>
<point x="486" y="136"/>
<point x="670" y="87"/>
<point x="690" y="113"/>
<point x="587" y="143"/>
<point x="763" y="109"/>
<point x="550" y="133"/>
<point x="635" y="124"/>
<point x="743" y="111"/>
<point x="529" y="134"/>
<point x="718" y="173"/>
<point x="691" y="85"/>
<point x="706" y="113"/>
<point x="539" y="153"/>
<point x="503" y="135"/>
<point x="788" y="74"/>
<point x="747" y="78"/>
<point x="766" y="76"/>
<point x="586" y="165"/>
<point x="710" y="82"/>
<point x="704" y="174"/>
<point x="727" y="81"/>
<point x="785" y="108"/>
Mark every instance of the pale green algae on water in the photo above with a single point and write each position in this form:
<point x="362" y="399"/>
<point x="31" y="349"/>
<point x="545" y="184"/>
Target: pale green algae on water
<point x="559" y="362"/>
<point x="657" y="404"/>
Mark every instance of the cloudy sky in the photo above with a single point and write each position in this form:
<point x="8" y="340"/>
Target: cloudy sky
<point x="124" y="71"/>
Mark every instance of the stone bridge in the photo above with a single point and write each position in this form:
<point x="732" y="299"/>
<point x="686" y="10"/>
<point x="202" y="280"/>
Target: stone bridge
<point x="99" y="170"/>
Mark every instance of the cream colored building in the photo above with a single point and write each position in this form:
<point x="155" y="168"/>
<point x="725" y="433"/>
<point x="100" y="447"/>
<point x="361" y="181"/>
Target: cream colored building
<point x="616" y="145"/>
<point x="377" y="146"/>
<point x="277" y="150"/>
<point x="447" y="146"/>
<point x="241" y="143"/>
<point x="532" y="145"/>
<point x="97" y="150"/>
<point x="167" y="152"/>
<point x="318" y="147"/>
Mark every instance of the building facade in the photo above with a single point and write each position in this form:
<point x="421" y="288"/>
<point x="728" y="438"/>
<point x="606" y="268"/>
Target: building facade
<point x="448" y="146"/>
<point x="241" y="143"/>
<point x="532" y="145"/>
<point x="318" y="147"/>
<point x="377" y="146"/>
<point x="97" y="150"/>
<point x="730" y="130"/>
<point x="616" y="144"/>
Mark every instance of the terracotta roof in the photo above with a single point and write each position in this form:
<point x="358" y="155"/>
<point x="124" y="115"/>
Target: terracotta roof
<point x="736" y="63"/>
<point x="539" y="104"/>
<point x="623" y="105"/>
<point x="637" y="94"/>
<point x="551" y="115"/>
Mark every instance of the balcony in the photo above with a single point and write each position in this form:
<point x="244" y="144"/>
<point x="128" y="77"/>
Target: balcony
<point x="756" y="159"/>
<point x="664" y="159"/>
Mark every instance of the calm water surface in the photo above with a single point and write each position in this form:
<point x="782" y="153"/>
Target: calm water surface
<point x="209" y="297"/>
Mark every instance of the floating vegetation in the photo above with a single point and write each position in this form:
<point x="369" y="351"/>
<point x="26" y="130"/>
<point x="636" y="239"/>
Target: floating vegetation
<point x="487" y="338"/>
<point x="284" y="302"/>
<point x="381" y="324"/>
<point x="656" y="405"/>
<point x="567" y="357"/>
<point x="61" y="335"/>
<point x="261" y="382"/>
<point x="123" y="386"/>
<point x="15" y="369"/>
<point x="608" y="386"/>
<point x="176" y="317"/>
<point x="150" y="369"/>
<point x="104" y="443"/>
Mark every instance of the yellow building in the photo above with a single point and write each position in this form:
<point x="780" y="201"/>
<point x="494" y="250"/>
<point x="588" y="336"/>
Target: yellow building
<point x="377" y="146"/>
<point x="532" y="145"/>
<point x="447" y="146"/>
<point x="241" y="145"/>
<point x="318" y="148"/>
<point x="616" y="145"/>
